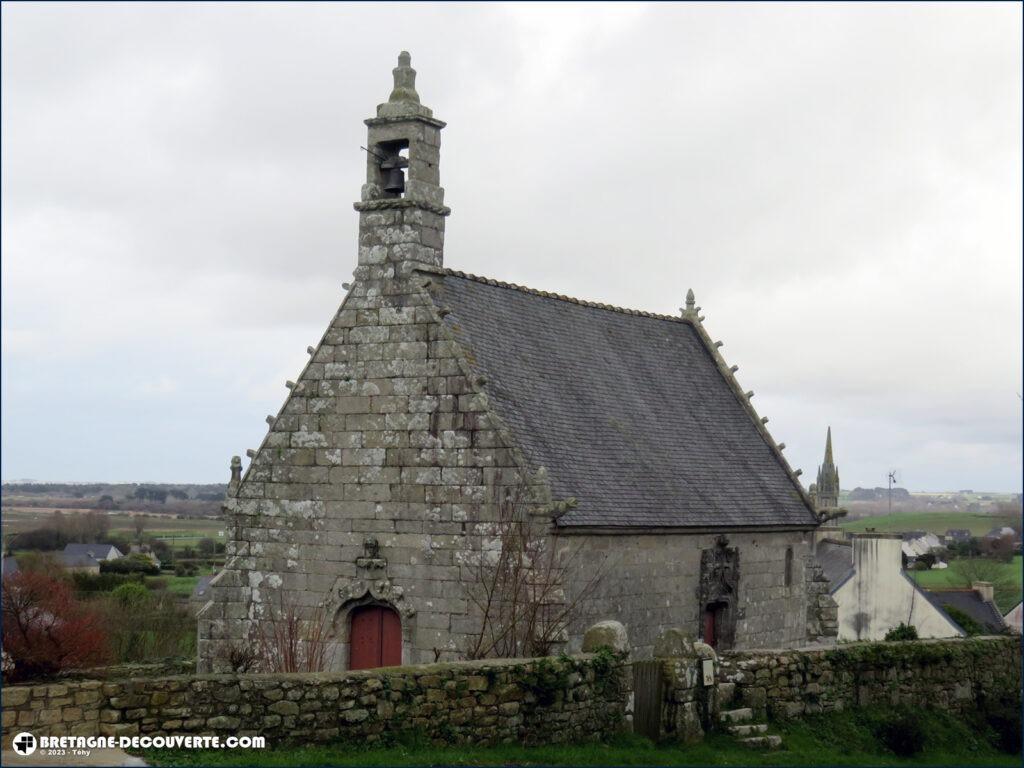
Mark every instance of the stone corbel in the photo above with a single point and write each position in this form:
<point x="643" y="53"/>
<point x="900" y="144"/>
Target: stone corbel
<point x="371" y="560"/>
<point x="372" y="582"/>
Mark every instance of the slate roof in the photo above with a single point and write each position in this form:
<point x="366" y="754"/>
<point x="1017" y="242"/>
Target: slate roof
<point x="201" y="587"/>
<point x="82" y="552"/>
<point x="9" y="566"/>
<point x="836" y="560"/>
<point x="627" y="411"/>
<point x="971" y="603"/>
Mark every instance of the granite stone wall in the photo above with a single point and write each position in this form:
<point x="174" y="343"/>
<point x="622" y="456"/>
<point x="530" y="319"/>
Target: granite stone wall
<point x="951" y="674"/>
<point x="532" y="701"/>
<point x="373" y="484"/>
<point x="650" y="582"/>
<point x="956" y="675"/>
<point x="375" y="479"/>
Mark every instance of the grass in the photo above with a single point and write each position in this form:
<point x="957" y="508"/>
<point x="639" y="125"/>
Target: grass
<point x="838" y="739"/>
<point x="951" y="577"/>
<point x="179" y="585"/>
<point x="931" y="522"/>
<point x="178" y="533"/>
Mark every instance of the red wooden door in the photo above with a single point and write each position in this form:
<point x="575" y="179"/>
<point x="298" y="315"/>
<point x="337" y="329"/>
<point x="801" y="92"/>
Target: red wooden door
<point x="709" y="626"/>
<point x="375" y="639"/>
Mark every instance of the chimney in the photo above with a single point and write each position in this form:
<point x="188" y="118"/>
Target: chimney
<point x="985" y="589"/>
<point x="879" y="553"/>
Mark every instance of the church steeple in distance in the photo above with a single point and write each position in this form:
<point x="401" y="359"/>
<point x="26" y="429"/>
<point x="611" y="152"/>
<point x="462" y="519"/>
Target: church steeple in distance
<point x="827" y="487"/>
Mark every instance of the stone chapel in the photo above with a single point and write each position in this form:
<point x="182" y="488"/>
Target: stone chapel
<point x="436" y="399"/>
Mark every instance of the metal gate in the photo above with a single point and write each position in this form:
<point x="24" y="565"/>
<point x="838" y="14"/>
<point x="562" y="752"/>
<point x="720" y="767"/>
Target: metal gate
<point x="647" y="694"/>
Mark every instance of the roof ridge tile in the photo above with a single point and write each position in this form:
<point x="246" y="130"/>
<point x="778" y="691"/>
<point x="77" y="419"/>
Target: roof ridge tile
<point x="561" y="297"/>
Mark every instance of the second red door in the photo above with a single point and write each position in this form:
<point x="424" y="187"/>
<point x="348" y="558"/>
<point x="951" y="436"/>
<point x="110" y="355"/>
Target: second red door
<point x="376" y="638"/>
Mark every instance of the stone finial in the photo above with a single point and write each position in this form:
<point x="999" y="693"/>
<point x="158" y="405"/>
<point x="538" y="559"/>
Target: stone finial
<point x="606" y="634"/>
<point x="672" y="643"/>
<point x="404" y="101"/>
<point x="691" y="300"/>
<point x="704" y="651"/>
<point x="405" y="81"/>
<point x="236" y="472"/>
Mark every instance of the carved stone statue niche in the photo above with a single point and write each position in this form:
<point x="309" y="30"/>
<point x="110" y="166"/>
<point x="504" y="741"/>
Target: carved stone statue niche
<point x="718" y="593"/>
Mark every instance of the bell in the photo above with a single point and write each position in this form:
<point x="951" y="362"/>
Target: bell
<point x="396" y="181"/>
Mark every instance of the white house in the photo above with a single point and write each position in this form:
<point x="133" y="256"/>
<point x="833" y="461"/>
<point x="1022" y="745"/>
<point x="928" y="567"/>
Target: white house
<point x="1014" y="617"/>
<point x="921" y="545"/>
<point x="872" y="591"/>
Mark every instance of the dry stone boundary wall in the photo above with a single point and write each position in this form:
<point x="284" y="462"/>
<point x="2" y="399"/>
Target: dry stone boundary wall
<point x="954" y="675"/>
<point x="958" y="675"/>
<point x="528" y="700"/>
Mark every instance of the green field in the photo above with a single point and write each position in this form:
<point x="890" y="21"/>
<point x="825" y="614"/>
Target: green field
<point x="930" y="522"/>
<point x="181" y="586"/>
<point x="841" y="739"/>
<point x="177" y="532"/>
<point x="1008" y="586"/>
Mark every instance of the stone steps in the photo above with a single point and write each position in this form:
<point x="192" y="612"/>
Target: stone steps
<point x="770" y="741"/>
<point x="736" y="715"/>
<point x="751" y="729"/>
<point x="750" y="734"/>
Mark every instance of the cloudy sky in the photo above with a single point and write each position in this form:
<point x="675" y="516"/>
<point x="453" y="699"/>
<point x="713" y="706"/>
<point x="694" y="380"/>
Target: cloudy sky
<point x="839" y="184"/>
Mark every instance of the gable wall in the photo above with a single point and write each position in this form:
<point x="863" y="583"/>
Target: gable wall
<point x="879" y="596"/>
<point x="387" y="435"/>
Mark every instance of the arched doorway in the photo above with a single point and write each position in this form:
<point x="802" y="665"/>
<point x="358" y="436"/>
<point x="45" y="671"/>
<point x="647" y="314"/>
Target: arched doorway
<point x="375" y="638"/>
<point x="715" y="623"/>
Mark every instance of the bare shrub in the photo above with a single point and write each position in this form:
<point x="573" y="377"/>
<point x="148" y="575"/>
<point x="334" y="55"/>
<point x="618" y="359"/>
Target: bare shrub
<point x="241" y="657"/>
<point x="292" y="639"/>
<point x="514" y="578"/>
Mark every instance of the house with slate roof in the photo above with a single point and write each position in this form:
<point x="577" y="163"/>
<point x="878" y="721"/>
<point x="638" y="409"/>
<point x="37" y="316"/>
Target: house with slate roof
<point x="872" y="591"/>
<point x="976" y="605"/>
<point x="86" y="558"/>
<point x="435" y="396"/>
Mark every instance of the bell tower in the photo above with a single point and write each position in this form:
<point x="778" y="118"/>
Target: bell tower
<point x="402" y="212"/>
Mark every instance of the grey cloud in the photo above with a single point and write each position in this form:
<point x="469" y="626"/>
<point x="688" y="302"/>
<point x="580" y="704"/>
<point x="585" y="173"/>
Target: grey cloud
<point x="840" y="184"/>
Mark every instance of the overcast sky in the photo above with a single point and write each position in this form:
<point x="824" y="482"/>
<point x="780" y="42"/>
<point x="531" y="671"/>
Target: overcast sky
<point x="839" y="184"/>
